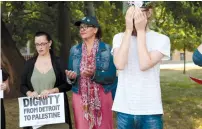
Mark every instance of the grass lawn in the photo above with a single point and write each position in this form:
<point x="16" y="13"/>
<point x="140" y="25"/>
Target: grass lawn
<point x="182" y="101"/>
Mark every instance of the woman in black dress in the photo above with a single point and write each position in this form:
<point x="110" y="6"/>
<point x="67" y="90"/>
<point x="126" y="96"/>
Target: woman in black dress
<point x="4" y="86"/>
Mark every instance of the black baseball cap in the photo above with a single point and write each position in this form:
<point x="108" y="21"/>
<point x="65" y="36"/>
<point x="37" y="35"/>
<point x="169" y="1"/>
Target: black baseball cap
<point x="89" y="20"/>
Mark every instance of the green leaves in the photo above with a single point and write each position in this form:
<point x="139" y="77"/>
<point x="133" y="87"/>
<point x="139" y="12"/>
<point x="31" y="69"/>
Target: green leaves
<point x="110" y="19"/>
<point x="180" y="20"/>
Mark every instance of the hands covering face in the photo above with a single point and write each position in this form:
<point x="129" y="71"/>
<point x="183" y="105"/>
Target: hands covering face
<point x="135" y="17"/>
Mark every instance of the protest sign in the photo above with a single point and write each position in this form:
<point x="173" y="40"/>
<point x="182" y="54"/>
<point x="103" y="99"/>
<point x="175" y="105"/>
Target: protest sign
<point x="38" y="111"/>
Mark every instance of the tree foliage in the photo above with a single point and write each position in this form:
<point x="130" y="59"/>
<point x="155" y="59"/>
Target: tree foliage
<point x="181" y="21"/>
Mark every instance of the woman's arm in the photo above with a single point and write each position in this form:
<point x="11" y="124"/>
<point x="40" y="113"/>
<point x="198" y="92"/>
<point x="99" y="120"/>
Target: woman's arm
<point x="197" y="56"/>
<point x="71" y="76"/>
<point x="121" y="53"/>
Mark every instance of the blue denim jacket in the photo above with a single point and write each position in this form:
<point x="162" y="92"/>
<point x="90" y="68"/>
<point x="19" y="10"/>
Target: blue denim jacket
<point x="105" y="73"/>
<point x="197" y="58"/>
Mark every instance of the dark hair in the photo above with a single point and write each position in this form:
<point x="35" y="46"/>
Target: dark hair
<point x="48" y="37"/>
<point x="99" y="33"/>
<point x="42" y="33"/>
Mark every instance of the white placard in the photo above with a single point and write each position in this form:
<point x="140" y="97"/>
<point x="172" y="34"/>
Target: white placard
<point x="1" y="81"/>
<point x="36" y="126"/>
<point x="37" y="111"/>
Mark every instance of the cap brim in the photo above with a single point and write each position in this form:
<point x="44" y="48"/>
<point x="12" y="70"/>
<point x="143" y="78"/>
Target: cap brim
<point x="78" y="23"/>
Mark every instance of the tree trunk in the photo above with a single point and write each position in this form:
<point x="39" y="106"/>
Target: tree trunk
<point x="89" y="8"/>
<point x="12" y="60"/>
<point x="64" y="32"/>
<point x="184" y="72"/>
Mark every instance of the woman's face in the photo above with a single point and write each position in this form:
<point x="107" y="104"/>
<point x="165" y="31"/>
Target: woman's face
<point x="42" y="45"/>
<point x="87" y="31"/>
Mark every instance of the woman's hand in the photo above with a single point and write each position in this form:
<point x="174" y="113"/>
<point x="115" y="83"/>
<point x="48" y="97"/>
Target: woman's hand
<point x="70" y="74"/>
<point x="4" y="86"/>
<point x="44" y="94"/>
<point x="88" y="72"/>
<point x="33" y="94"/>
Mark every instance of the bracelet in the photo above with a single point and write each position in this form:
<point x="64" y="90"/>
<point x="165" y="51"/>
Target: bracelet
<point x="93" y="77"/>
<point x="69" y="81"/>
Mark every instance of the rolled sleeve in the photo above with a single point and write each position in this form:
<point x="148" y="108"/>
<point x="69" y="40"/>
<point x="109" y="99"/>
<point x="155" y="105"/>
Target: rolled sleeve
<point x="197" y="58"/>
<point x="116" y="42"/>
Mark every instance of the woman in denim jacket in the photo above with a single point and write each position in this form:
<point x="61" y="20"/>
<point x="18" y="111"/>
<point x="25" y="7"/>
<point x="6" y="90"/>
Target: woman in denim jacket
<point x="197" y="56"/>
<point x="92" y="73"/>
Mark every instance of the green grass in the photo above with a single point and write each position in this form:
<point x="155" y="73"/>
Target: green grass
<point x="182" y="102"/>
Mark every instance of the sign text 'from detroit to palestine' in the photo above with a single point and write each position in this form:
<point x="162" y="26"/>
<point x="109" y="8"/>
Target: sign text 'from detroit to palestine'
<point x="38" y="108"/>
